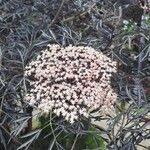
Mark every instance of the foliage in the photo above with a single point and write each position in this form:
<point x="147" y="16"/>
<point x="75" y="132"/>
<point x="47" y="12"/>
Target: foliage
<point x="85" y="138"/>
<point x="27" y="26"/>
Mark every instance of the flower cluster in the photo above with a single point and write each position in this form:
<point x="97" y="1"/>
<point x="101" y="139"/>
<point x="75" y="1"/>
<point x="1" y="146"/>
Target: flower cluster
<point x="70" y="81"/>
<point x="145" y="5"/>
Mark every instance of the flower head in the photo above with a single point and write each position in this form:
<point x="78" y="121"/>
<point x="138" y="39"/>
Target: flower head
<point x="71" y="81"/>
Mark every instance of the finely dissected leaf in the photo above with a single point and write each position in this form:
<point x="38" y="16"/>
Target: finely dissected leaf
<point x="22" y="124"/>
<point x="32" y="133"/>
<point x="51" y="145"/>
<point x="30" y="141"/>
<point x="129" y="146"/>
<point x="54" y="140"/>
<point x="19" y="129"/>
<point x="24" y="119"/>
<point x="52" y="34"/>
<point x="2" y="140"/>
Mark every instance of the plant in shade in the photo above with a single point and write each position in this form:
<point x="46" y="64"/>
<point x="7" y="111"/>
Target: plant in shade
<point x="71" y="82"/>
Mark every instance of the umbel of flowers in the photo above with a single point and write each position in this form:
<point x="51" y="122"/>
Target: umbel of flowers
<point x="71" y="81"/>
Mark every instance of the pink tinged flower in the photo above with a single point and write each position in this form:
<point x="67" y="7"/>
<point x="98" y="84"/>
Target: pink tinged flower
<point x="73" y="102"/>
<point x="81" y="111"/>
<point x="67" y="117"/>
<point x="71" y="107"/>
<point x="84" y="89"/>
<point x="64" y="113"/>
<point x="68" y="97"/>
<point x="72" y="120"/>
<point x="32" y="101"/>
<point x="58" y="111"/>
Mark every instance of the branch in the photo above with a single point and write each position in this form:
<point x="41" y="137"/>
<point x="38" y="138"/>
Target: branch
<point x="78" y="15"/>
<point x="61" y="5"/>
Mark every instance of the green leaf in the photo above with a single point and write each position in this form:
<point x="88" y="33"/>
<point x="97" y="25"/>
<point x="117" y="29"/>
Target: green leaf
<point x="94" y="140"/>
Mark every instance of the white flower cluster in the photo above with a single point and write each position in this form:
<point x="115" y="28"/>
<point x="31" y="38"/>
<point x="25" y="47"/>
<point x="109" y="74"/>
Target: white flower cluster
<point x="71" y="81"/>
<point x="145" y="5"/>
